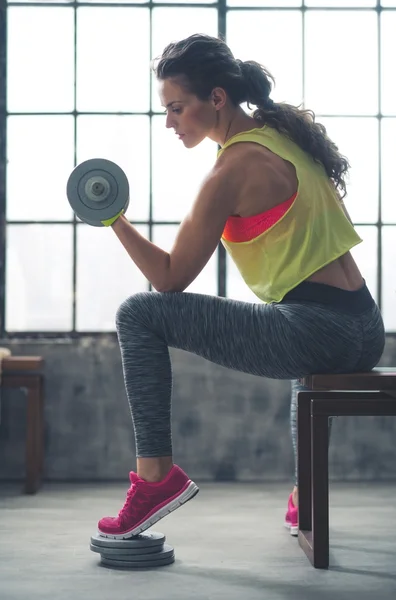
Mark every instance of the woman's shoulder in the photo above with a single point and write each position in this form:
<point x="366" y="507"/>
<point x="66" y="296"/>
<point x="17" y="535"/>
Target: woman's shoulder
<point x="242" y="155"/>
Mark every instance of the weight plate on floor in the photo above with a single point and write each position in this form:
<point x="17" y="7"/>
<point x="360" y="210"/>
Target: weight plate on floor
<point x="165" y="557"/>
<point x="147" y="539"/>
<point x="113" y="564"/>
<point x="114" y="552"/>
<point x="160" y="553"/>
<point x="97" y="189"/>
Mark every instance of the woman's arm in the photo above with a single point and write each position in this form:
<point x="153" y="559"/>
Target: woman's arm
<point x="196" y="240"/>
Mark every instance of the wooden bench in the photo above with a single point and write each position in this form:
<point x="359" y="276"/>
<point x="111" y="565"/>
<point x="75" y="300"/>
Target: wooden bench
<point x="352" y="394"/>
<point x="26" y="372"/>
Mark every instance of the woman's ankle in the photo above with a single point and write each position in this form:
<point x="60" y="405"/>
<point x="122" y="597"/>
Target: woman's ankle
<point x="295" y="496"/>
<point x="154" y="470"/>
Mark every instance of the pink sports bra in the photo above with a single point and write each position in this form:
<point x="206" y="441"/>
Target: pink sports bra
<point x="244" y="229"/>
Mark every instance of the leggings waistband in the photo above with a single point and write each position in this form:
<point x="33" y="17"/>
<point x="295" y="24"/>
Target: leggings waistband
<point x="355" y="302"/>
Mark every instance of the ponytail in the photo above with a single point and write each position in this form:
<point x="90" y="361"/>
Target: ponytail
<point x="297" y="124"/>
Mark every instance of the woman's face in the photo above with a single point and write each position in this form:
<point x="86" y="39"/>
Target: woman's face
<point x="192" y="119"/>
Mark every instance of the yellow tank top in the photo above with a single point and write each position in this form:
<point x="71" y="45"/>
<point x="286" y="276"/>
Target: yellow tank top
<point x="313" y="231"/>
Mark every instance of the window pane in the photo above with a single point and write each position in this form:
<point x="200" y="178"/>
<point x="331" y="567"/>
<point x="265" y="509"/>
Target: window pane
<point x="236" y="288"/>
<point x="155" y="1"/>
<point x="177" y="172"/>
<point x="362" y="182"/>
<point x="106" y="276"/>
<point x="39" y="80"/>
<point x="35" y="1"/>
<point x="172" y="24"/>
<point x="126" y="141"/>
<point x="346" y="3"/>
<point x="39" y="277"/>
<point x="336" y="72"/>
<point x="280" y="54"/>
<point x="184" y="1"/>
<point x="206" y="282"/>
<point x="388" y="2"/>
<point x="388" y="152"/>
<point x="40" y="160"/>
<point x="113" y="59"/>
<point x="388" y="52"/>
<point x="260" y="3"/>
<point x="365" y="255"/>
<point x="389" y="277"/>
<point x="111" y="1"/>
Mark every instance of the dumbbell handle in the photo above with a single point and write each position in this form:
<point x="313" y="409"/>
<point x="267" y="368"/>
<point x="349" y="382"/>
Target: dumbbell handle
<point x="97" y="188"/>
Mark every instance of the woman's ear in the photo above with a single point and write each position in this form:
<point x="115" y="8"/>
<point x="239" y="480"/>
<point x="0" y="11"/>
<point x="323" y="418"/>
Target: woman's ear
<point x="219" y="98"/>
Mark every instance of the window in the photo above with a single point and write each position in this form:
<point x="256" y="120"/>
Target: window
<point x="79" y="86"/>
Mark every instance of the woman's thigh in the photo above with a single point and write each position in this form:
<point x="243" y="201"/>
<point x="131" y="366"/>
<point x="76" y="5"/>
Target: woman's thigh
<point x="279" y="341"/>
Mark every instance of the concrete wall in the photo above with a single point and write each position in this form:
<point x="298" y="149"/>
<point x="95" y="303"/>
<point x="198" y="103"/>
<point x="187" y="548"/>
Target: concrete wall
<point x="226" y="425"/>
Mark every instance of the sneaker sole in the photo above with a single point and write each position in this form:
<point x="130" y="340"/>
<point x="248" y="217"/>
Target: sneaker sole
<point x="293" y="529"/>
<point x="188" y="494"/>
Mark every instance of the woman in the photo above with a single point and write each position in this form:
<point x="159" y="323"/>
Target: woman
<point x="274" y="200"/>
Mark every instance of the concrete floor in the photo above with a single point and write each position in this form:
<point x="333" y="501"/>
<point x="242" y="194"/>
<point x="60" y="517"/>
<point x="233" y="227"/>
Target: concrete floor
<point x="229" y="544"/>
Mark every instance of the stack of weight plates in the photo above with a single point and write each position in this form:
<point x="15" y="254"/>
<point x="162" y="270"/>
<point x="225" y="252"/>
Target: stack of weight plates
<point x="145" y="550"/>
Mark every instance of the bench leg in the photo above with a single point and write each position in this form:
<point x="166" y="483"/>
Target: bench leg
<point x="34" y="438"/>
<point x="304" y="460"/>
<point x="320" y="490"/>
<point x="313" y="505"/>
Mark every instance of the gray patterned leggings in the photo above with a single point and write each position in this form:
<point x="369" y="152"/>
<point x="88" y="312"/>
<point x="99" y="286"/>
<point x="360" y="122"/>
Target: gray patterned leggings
<point x="284" y="340"/>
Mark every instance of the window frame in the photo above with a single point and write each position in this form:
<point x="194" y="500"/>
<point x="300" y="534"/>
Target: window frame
<point x="222" y="10"/>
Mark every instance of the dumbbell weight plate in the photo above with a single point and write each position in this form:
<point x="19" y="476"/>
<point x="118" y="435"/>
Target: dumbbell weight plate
<point x="99" y="223"/>
<point x="97" y="189"/>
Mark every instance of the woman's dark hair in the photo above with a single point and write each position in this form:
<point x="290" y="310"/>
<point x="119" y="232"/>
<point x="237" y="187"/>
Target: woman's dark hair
<point x="202" y="62"/>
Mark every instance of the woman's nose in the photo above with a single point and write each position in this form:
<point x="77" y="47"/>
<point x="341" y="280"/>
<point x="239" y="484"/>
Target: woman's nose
<point x="169" y="121"/>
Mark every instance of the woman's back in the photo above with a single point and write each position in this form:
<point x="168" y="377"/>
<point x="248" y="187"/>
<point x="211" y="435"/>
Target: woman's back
<point x="266" y="181"/>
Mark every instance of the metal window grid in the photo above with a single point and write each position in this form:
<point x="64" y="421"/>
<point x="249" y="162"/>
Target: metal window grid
<point x="222" y="10"/>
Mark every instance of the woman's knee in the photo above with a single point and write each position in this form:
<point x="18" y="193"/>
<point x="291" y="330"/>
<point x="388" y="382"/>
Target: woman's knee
<point x="134" y="308"/>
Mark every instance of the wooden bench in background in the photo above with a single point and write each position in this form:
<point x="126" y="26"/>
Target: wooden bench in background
<point x="26" y="372"/>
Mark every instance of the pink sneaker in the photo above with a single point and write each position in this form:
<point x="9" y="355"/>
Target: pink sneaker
<point x="146" y="503"/>
<point x="291" y="519"/>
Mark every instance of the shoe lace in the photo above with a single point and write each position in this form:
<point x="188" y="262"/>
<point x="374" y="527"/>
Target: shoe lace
<point x="132" y="501"/>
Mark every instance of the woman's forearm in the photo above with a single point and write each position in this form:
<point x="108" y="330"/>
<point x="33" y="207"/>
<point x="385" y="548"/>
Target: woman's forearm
<point x="152" y="261"/>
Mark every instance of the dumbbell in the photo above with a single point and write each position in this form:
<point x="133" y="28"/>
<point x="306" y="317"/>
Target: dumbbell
<point x="97" y="191"/>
